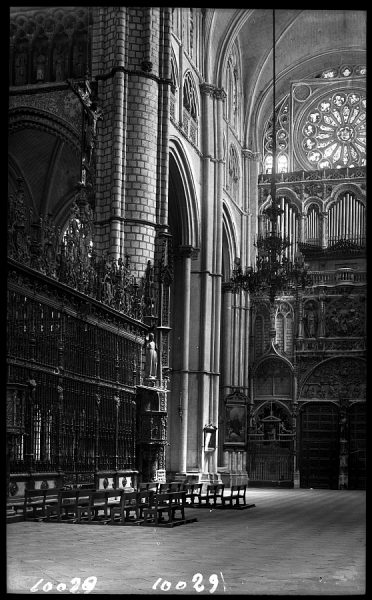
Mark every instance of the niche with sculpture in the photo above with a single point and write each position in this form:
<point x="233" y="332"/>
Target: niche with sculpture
<point x="271" y="422"/>
<point x="311" y="319"/>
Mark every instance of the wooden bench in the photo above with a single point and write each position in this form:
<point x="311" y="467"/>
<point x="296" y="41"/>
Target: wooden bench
<point x="68" y="503"/>
<point x="152" y="486"/>
<point x="214" y="492"/>
<point x="144" y="500"/>
<point x="236" y="497"/>
<point x="128" y="504"/>
<point x="193" y="492"/>
<point x="165" y="503"/>
<point x="36" y="502"/>
<point x="99" y="501"/>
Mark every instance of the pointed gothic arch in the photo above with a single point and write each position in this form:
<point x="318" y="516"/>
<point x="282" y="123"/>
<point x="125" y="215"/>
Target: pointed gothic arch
<point x="183" y="205"/>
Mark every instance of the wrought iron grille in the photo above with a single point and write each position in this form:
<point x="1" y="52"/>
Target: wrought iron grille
<point x="78" y="414"/>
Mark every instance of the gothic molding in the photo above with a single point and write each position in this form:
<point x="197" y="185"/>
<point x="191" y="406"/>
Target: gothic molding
<point x="339" y="189"/>
<point x="213" y="91"/>
<point x="23" y="116"/>
<point x="49" y="21"/>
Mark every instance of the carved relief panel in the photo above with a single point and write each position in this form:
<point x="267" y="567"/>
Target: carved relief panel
<point x="342" y="377"/>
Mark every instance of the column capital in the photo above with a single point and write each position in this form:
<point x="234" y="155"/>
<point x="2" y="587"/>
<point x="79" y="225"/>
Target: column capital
<point x="187" y="251"/>
<point x="250" y="154"/>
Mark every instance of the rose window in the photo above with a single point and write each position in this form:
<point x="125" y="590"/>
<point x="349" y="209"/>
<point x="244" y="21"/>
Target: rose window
<point x="334" y="133"/>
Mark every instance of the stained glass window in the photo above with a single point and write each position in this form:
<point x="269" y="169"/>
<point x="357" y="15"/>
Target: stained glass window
<point x="282" y="136"/>
<point x="189" y="96"/>
<point x="334" y="132"/>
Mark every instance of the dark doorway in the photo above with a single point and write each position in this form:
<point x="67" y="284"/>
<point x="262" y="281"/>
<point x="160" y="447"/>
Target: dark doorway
<point x="319" y="446"/>
<point x="357" y="446"/>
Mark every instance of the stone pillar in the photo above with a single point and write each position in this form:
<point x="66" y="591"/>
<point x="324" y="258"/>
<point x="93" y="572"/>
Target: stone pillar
<point x="226" y="334"/>
<point x="186" y="252"/>
<point x="302" y="223"/>
<point x="251" y="161"/>
<point x="296" y="470"/>
<point x="220" y="97"/>
<point x="132" y="156"/>
<point x="210" y="266"/>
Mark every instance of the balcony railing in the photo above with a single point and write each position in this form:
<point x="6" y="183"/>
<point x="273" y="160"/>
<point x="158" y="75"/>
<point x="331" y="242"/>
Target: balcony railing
<point x="319" y="175"/>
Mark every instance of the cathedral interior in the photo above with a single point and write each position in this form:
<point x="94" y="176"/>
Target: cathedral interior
<point x="154" y="333"/>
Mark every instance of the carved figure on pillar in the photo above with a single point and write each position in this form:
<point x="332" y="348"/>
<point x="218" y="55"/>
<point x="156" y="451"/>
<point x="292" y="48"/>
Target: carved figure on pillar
<point x="40" y="68"/>
<point x="311" y="320"/>
<point x="151" y="365"/>
<point x="93" y="113"/>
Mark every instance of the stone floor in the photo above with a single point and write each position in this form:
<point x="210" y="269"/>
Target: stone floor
<point x="293" y="542"/>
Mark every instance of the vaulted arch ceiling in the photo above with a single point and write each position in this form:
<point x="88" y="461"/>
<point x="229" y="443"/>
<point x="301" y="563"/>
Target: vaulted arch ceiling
<point x="48" y="165"/>
<point x="307" y="42"/>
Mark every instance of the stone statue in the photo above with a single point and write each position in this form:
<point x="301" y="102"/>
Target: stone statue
<point x="151" y="365"/>
<point x="311" y="322"/>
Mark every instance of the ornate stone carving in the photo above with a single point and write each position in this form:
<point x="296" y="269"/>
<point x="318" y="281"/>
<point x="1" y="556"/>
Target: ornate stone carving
<point x="60" y="103"/>
<point x="345" y="317"/>
<point x="72" y="260"/>
<point x="336" y="378"/>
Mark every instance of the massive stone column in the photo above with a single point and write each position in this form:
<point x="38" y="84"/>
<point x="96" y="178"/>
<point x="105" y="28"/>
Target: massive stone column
<point x="209" y="274"/>
<point x="186" y="253"/>
<point x="132" y="156"/>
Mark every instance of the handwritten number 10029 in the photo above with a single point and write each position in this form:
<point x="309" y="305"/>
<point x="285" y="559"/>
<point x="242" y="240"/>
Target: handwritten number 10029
<point x="197" y="579"/>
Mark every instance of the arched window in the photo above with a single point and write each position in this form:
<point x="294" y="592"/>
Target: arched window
<point x="233" y="173"/>
<point x="282" y="137"/>
<point x="20" y="69"/>
<point x="190" y="108"/>
<point x="174" y="86"/>
<point x="259" y="335"/>
<point x="327" y="128"/>
<point x="40" y="59"/>
<point x="191" y="31"/>
<point x="60" y="57"/>
<point x="232" y="86"/>
<point x="334" y="131"/>
<point x="80" y="54"/>
<point x="284" y="328"/>
<point x="189" y="96"/>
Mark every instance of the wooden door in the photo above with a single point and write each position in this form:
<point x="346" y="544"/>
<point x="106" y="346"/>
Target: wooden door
<point x="357" y="446"/>
<point x="319" y="446"/>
